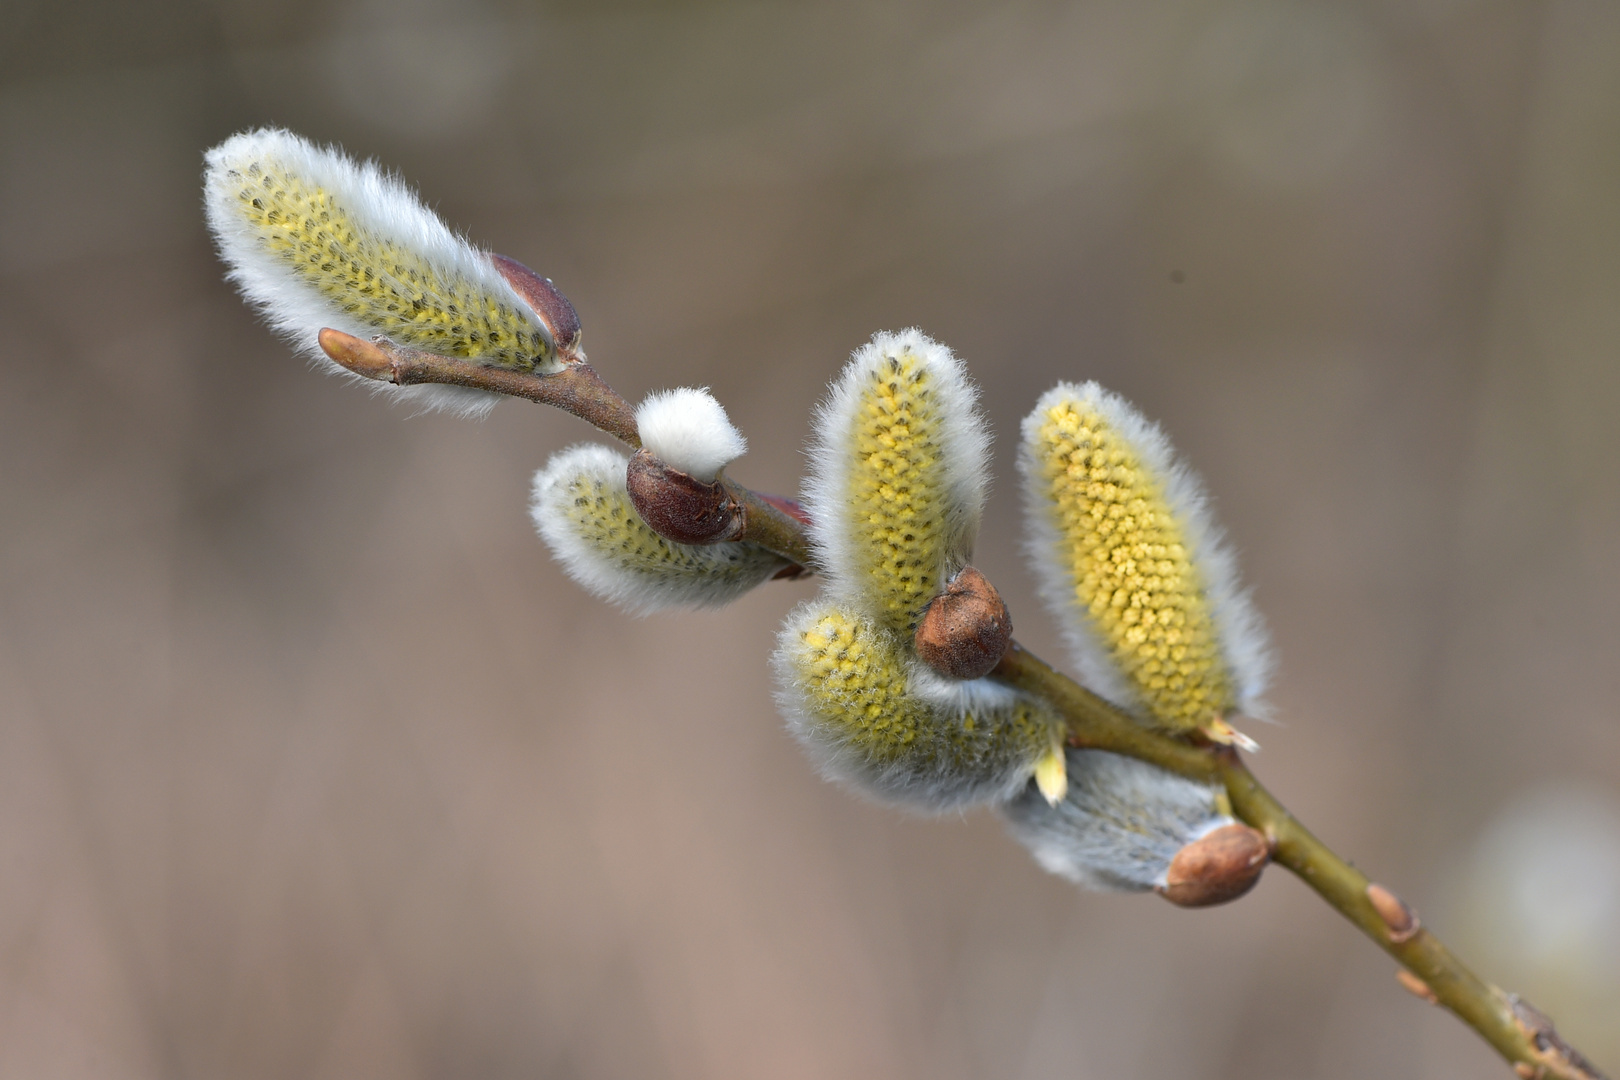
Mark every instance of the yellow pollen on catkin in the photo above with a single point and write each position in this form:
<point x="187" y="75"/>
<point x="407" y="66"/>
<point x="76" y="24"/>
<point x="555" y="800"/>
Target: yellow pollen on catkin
<point x="897" y="489"/>
<point x="378" y="282"/>
<point x="852" y="678"/>
<point x="1130" y="567"/>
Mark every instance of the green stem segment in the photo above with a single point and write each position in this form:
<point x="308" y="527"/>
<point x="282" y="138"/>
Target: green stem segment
<point x="1518" y="1032"/>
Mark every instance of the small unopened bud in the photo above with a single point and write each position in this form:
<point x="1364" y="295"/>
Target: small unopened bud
<point x="1415" y="986"/>
<point x="966" y="628"/>
<point x="355" y="354"/>
<point x="547" y="301"/>
<point x="680" y="507"/>
<point x="1401" y="920"/>
<point x="1221" y="866"/>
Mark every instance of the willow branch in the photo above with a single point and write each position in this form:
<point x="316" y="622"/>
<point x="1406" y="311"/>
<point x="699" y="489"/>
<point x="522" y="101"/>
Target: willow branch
<point x="772" y="522"/>
<point x="1523" y="1036"/>
<point x="1516" y="1030"/>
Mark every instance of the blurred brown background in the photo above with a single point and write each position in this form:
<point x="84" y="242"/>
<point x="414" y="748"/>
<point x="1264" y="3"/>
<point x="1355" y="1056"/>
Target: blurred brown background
<point x="313" y="765"/>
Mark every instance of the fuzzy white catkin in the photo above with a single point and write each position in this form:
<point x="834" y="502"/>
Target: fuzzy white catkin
<point x="315" y="239"/>
<point x="1120" y="824"/>
<point x="582" y="510"/>
<point x="688" y="429"/>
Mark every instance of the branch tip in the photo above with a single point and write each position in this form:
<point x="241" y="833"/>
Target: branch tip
<point x="356" y="354"/>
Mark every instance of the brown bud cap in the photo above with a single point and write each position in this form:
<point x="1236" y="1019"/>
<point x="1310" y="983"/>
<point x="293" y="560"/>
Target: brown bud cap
<point x="965" y="629"/>
<point x="1402" y="921"/>
<point x="680" y="507"/>
<point x="1221" y="866"/>
<point x="548" y="302"/>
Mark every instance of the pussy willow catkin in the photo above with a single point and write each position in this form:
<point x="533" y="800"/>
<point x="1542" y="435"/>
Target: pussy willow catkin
<point x="897" y="479"/>
<point x="315" y="239"/>
<point x="849" y="687"/>
<point x="1131" y="566"/>
<point x="582" y="510"/>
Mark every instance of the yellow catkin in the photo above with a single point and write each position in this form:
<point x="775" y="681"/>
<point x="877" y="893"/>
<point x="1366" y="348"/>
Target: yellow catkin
<point x="376" y="280"/>
<point x="1130" y="567"/>
<point x="897" y="489"/>
<point x="850" y="677"/>
<point x="602" y="517"/>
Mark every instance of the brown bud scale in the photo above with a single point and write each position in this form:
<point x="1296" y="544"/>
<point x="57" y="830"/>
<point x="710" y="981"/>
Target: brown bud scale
<point x="680" y="507"/>
<point x="965" y="629"/>
<point x="1217" y="868"/>
<point x="548" y="302"/>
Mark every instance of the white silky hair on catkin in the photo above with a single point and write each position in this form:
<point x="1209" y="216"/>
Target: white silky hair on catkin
<point x="957" y="696"/>
<point x="638" y="570"/>
<point x="1120" y="824"/>
<point x="1244" y="643"/>
<point x="689" y="430"/>
<point x="932" y="789"/>
<point x="378" y="202"/>
<point x="966" y="450"/>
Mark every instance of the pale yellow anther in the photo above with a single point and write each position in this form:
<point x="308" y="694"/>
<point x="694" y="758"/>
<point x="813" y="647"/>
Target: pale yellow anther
<point x="1219" y="731"/>
<point x="1052" y="775"/>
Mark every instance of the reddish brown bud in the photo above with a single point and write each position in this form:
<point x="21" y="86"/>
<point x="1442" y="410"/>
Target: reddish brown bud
<point x="680" y="507"/>
<point x="966" y="628"/>
<point x="1402" y="921"/>
<point x="1221" y="866"/>
<point x="548" y="302"/>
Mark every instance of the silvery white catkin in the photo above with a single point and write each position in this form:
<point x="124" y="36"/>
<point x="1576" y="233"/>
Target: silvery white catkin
<point x="1120" y="824"/>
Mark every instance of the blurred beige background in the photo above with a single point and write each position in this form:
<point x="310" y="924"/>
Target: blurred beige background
<point x="313" y="765"/>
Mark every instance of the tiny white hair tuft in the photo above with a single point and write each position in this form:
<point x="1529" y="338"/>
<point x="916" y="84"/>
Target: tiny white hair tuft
<point x="689" y="430"/>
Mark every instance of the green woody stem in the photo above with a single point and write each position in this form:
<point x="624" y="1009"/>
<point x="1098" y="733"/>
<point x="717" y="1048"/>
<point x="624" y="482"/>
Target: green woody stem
<point x="1518" y="1032"/>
